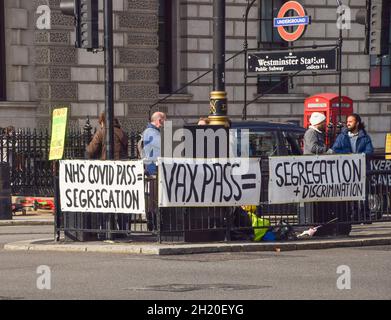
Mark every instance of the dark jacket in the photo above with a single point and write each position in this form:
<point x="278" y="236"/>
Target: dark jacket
<point x="363" y="144"/>
<point x="97" y="148"/>
<point x="314" y="142"/>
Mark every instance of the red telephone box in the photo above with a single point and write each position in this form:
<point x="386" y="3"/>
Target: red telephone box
<point x="327" y="103"/>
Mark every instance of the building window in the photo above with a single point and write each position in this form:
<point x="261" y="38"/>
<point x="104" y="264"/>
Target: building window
<point x="270" y="38"/>
<point x="165" y="46"/>
<point x="2" y="52"/>
<point x="380" y="76"/>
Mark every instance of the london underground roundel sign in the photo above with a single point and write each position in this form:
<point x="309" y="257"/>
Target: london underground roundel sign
<point x="301" y="21"/>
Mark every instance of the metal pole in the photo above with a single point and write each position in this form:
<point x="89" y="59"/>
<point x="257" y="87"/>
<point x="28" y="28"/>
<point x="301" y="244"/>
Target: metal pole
<point x="219" y="45"/>
<point x="340" y="44"/>
<point x="244" y="117"/>
<point x="249" y="6"/>
<point x="57" y="209"/>
<point x="109" y="79"/>
<point x="218" y="97"/>
<point x="109" y="94"/>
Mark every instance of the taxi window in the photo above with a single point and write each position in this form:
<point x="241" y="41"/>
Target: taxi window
<point x="293" y="142"/>
<point x="261" y="143"/>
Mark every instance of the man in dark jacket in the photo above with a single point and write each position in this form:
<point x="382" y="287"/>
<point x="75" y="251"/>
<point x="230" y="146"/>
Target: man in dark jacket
<point x="354" y="138"/>
<point x="314" y="136"/>
<point x="97" y="147"/>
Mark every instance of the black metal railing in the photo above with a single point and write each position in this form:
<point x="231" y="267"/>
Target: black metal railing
<point x="31" y="174"/>
<point x="332" y="218"/>
<point x="108" y="226"/>
<point x="27" y="152"/>
<point x="233" y="223"/>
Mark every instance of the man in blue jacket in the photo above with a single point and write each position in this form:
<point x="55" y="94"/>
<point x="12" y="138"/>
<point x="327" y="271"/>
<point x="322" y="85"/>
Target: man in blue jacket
<point x="152" y="141"/>
<point x="354" y="138"/>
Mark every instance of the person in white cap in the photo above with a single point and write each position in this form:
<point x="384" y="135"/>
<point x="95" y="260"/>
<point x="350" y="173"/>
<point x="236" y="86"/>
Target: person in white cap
<point x="314" y="138"/>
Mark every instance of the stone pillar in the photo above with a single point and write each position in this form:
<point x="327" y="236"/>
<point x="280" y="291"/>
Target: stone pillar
<point x="140" y="59"/>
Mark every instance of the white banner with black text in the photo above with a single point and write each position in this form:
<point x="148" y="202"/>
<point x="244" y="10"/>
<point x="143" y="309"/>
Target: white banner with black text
<point x="209" y="182"/>
<point x="317" y="178"/>
<point x="102" y="186"/>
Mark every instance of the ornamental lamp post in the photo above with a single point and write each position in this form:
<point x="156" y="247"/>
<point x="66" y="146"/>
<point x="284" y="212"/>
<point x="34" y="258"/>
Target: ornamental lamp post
<point x="340" y="46"/>
<point x="218" y="114"/>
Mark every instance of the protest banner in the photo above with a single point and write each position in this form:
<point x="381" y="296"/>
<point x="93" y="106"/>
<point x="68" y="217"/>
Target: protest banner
<point x="381" y="173"/>
<point x="59" y="128"/>
<point x="209" y="182"/>
<point x="102" y="186"/>
<point x="388" y="146"/>
<point x="317" y="178"/>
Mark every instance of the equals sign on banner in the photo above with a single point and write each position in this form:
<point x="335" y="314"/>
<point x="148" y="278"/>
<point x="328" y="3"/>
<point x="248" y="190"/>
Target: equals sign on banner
<point x="248" y="181"/>
<point x="140" y="177"/>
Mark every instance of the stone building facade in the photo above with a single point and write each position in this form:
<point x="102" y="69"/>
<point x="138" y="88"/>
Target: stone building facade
<point x="44" y="70"/>
<point x="196" y="32"/>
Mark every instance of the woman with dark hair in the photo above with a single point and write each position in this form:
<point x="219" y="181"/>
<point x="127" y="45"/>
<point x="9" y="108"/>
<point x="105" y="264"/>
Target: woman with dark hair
<point x="97" y="147"/>
<point x="354" y="138"/>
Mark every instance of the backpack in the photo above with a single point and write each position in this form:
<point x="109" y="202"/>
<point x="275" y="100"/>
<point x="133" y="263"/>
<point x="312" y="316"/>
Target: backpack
<point x="284" y="231"/>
